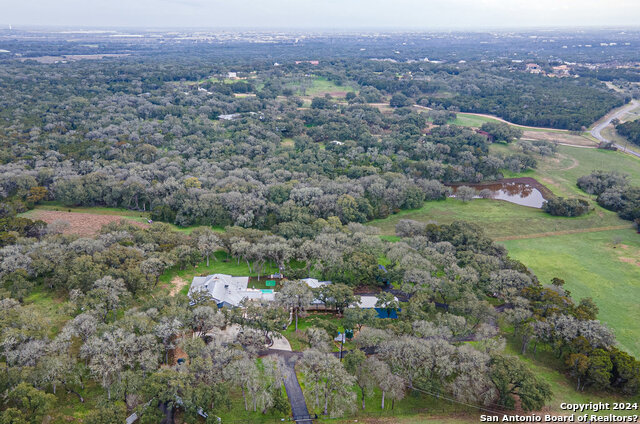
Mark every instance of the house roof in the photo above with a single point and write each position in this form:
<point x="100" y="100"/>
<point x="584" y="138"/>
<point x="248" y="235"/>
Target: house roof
<point x="314" y="284"/>
<point x="369" y="302"/>
<point x="228" y="290"/>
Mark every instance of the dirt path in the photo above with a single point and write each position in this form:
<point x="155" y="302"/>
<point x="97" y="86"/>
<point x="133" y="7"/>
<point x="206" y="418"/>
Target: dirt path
<point x="177" y="284"/>
<point x="578" y="145"/>
<point x="563" y="232"/>
<point x="574" y="164"/>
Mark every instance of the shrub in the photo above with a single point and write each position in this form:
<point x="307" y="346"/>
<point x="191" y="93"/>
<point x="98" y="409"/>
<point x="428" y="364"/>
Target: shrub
<point x="599" y="181"/>
<point x="559" y="206"/>
<point x="501" y="132"/>
<point x="465" y="193"/>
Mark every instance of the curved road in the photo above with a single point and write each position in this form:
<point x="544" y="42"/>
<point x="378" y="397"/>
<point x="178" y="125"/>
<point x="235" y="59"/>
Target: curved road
<point x="596" y="131"/>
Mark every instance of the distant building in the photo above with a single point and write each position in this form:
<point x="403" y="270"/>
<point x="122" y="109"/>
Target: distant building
<point x="561" y="71"/>
<point x="486" y="134"/>
<point x="229" y="117"/>
<point x="312" y="62"/>
<point x="227" y="290"/>
<point x="232" y="75"/>
<point x="534" y="68"/>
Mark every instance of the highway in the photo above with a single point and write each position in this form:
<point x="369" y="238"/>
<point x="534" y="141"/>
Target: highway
<point x="597" y="130"/>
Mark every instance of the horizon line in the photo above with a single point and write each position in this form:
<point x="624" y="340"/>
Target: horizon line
<point x="384" y="29"/>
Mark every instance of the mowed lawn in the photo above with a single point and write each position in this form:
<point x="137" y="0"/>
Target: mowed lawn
<point x="560" y="173"/>
<point x="592" y="267"/>
<point x="501" y="219"/>
<point x="320" y="86"/>
<point x="579" y="250"/>
<point x="468" y="120"/>
<point x="175" y="278"/>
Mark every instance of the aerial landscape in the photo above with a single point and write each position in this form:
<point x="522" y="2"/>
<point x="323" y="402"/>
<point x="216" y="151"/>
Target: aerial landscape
<point x="215" y="217"/>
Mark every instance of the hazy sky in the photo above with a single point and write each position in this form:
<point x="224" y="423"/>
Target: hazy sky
<point x="338" y="14"/>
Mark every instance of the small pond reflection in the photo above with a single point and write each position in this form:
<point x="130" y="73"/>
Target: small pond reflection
<point x="515" y="192"/>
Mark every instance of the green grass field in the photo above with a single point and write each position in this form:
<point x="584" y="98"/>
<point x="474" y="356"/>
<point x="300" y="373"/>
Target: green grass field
<point x="299" y="341"/>
<point x="56" y="310"/>
<point x="419" y="407"/>
<point x="320" y="86"/>
<point x="586" y="259"/>
<point x="545" y="365"/>
<point x="415" y="407"/>
<point x="592" y="267"/>
<point x="561" y="172"/>
<point x="499" y="218"/>
<point x="471" y="120"/>
<point x="237" y="414"/>
<point x="468" y="120"/>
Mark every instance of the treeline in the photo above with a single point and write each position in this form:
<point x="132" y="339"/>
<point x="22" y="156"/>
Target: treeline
<point x="494" y="89"/>
<point x="614" y="193"/>
<point x="541" y="315"/>
<point x="630" y="130"/>
<point x="538" y="101"/>
<point x="126" y="343"/>
<point x="137" y="141"/>
<point x="610" y="74"/>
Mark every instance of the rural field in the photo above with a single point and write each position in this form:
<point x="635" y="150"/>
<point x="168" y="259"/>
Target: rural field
<point x="84" y="221"/>
<point x="319" y="86"/>
<point x="597" y="254"/>
<point x="219" y="167"/>
<point x="88" y="220"/>
<point x="561" y="172"/>
<point x="503" y="220"/>
<point x="603" y="265"/>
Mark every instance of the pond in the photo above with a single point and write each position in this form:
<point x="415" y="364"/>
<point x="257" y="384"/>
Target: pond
<point x="521" y="191"/>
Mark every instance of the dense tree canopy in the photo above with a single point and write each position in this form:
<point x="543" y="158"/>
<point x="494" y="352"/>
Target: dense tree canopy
<point x="288" y="173"/>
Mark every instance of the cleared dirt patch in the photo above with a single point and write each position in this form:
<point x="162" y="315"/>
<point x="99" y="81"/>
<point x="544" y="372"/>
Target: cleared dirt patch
<point x="560" y="137"/>
<point x="632" y="261"/>
<point x="178" y="353"/>
<point x="84" y="224"/>
<point x="177" y="284"/>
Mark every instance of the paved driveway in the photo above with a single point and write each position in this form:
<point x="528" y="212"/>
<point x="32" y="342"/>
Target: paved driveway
<point x="299" y="409"/>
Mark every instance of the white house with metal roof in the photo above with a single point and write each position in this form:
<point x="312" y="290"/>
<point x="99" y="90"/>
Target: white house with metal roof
<point x="314" y="284"/>
<point x="227" y="290"/>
